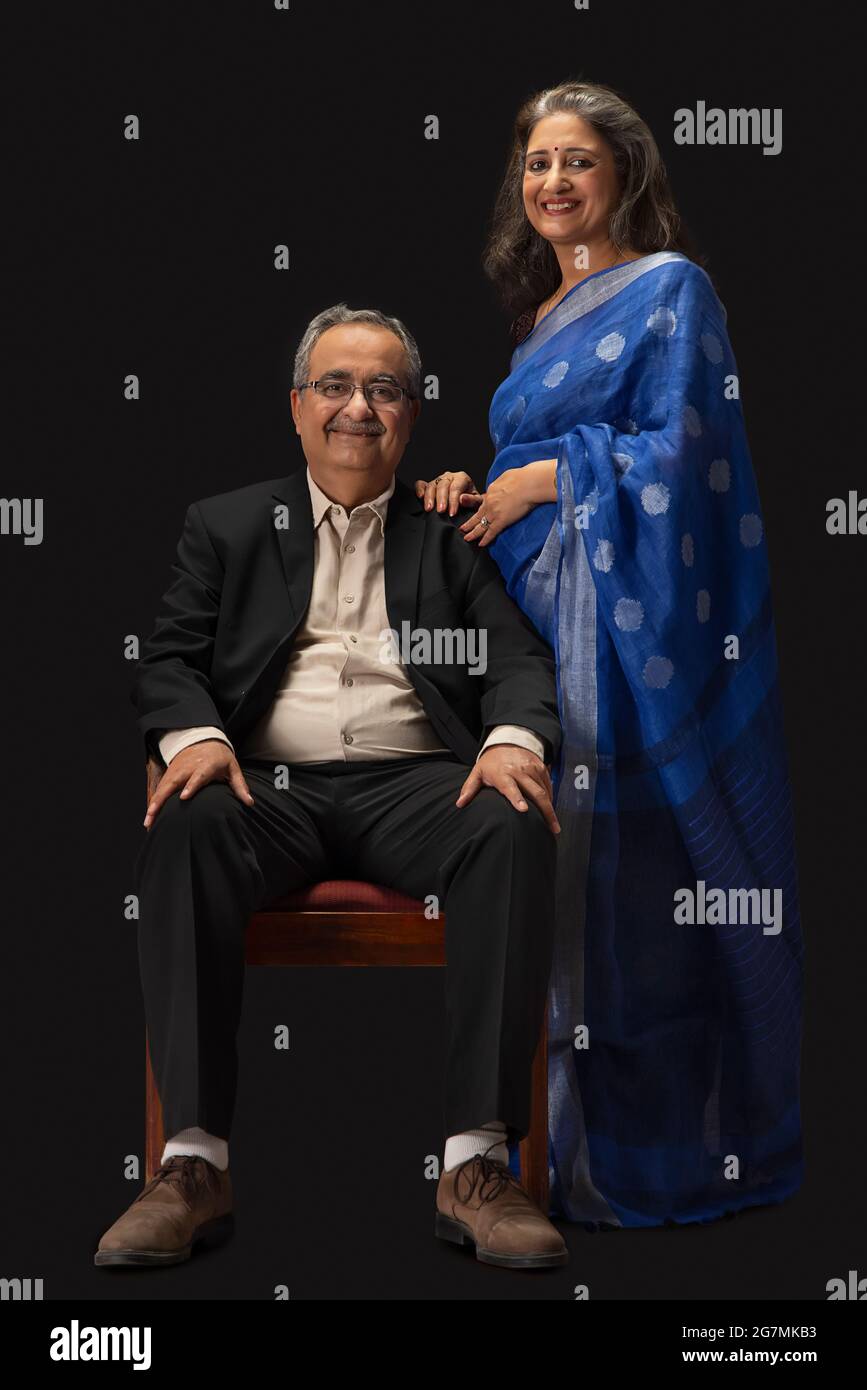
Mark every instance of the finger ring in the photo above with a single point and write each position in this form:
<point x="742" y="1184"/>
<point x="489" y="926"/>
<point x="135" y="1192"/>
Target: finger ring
<point x="483" y="521"/>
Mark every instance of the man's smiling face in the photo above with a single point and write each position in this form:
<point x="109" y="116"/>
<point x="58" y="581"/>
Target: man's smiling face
<point x="353" y="437"/>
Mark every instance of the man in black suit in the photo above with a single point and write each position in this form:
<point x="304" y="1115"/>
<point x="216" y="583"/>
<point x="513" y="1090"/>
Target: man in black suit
<point x="340" y="686"/>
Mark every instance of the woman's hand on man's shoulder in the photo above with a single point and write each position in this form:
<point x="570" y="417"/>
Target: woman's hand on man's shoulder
<point x="443" y="493"/>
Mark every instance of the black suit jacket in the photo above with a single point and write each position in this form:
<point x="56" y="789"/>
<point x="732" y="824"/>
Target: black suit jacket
<point x="240" y="589"/>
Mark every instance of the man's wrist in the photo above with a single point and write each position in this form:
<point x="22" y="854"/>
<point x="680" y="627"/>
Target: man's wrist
<point x="495" y="747"/>
<point x="174" y="741"/>
<point x="517" y="736"/>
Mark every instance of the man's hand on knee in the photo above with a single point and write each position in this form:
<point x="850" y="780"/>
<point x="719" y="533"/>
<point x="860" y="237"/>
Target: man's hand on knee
<point x="519" y="775"/>
<point x="209" y="760"/>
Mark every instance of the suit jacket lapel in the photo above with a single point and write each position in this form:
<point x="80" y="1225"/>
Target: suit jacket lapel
<point x="295" y="539"/>
<point x="404" y="535"/>
<point x="404" y="542"/>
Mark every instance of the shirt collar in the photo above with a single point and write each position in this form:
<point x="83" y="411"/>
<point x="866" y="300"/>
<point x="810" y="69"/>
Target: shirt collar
<point x="321" y="503"/>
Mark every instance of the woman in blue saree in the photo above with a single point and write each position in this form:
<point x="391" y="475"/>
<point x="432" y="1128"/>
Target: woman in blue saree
<point x="622" y="510"/>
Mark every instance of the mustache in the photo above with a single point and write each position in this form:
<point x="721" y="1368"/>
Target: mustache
<point x="356" y="426"/>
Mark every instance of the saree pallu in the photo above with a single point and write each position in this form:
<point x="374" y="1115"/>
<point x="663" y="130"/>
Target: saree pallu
<point x="674" y="1030"/>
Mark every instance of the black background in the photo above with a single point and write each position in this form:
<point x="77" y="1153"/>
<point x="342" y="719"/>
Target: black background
<point x="155" y="257"/>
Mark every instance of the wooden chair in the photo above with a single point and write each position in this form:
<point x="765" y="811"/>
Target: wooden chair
<point x="344" y="922"/>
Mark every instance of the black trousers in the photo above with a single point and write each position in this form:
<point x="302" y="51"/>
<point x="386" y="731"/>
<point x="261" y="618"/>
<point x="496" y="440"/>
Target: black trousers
<point x="210" y="861"/>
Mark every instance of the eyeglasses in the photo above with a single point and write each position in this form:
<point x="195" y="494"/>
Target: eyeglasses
<point x="376" y="393"/>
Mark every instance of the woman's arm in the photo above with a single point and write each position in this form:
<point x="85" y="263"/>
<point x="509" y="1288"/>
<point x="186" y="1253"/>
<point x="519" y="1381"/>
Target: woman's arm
<point x="510" y="497"/>
<point x="540" y="483"/>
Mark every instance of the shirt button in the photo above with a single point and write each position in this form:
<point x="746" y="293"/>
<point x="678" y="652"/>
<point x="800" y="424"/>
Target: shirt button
<point x="352" y="638"/>
<point x="351" y="549"/>
<point x="336" y="511"/>
<point x="348" y="598"/>
<point x="347" y="738"/>
<point x="349" y="681"/>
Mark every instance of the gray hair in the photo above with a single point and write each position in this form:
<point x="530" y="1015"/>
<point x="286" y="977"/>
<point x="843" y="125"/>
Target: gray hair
<point x="341" y="313"/>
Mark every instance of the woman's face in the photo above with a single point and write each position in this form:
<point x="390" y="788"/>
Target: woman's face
<point x="570" y="183"/>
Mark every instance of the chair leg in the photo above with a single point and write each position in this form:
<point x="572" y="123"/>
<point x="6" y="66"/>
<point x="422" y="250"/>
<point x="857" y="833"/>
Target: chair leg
<point x="533" y="1150"/>
<point x="154" y="1137"/>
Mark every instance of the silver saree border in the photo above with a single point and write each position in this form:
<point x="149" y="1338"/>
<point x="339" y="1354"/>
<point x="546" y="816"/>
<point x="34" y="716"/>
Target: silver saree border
<point x="577" y="684"/>
<point x="595" y="292"/>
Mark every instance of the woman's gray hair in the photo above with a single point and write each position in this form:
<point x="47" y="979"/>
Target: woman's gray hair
<point x="341" y="313"/>
<point x="521" y="263"/>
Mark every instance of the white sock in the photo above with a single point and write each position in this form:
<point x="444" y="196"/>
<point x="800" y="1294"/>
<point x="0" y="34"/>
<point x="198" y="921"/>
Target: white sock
<point x="198" y="1141"/>
<point x="473" y="1141"/>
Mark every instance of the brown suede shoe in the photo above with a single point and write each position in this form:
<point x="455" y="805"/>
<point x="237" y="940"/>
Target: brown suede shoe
<point x="480" y="1201"/>
<point x="186" y="1201"/>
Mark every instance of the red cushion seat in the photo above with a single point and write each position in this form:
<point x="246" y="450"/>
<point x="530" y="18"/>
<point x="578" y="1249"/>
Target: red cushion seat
<point x="345" y="895"/>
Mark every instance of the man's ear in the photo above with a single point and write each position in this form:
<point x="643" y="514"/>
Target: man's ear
<point x="295" y="403"/>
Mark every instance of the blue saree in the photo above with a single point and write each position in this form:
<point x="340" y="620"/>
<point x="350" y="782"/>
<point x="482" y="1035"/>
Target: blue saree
<point x="675" y="1006"/>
